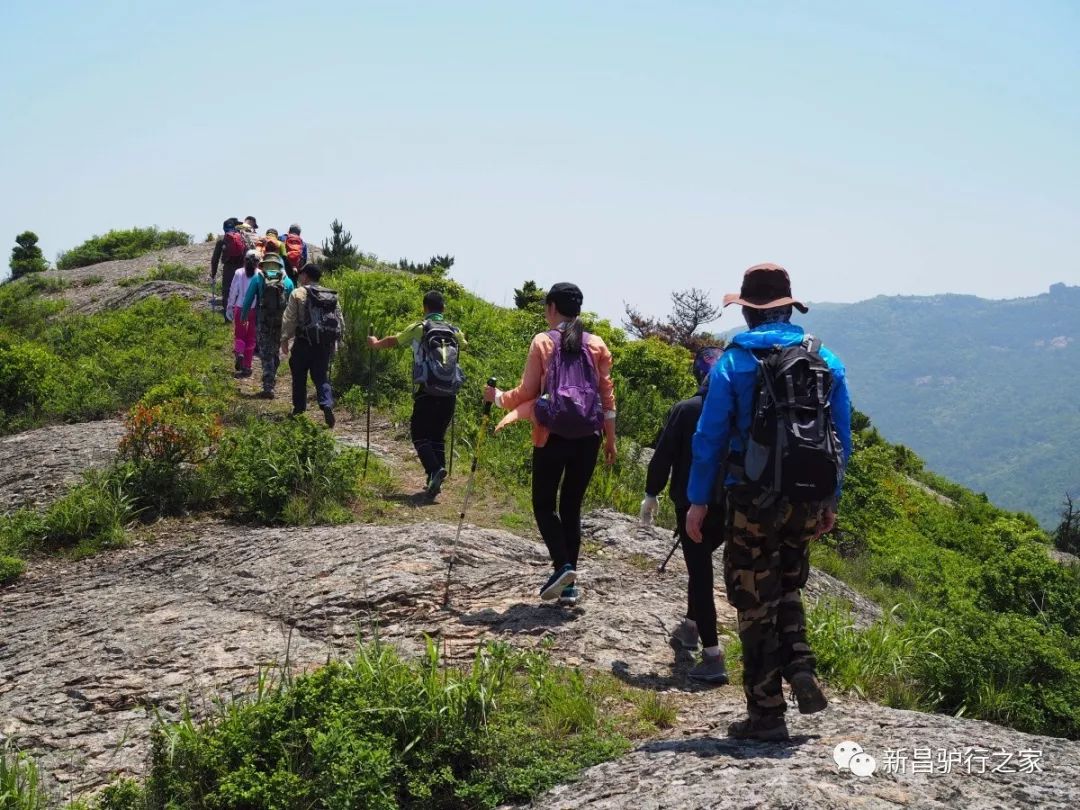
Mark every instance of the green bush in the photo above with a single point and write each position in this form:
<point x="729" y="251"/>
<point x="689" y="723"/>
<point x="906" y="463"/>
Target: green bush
<point x="11" y="568"/>
<point x="127" y="244"/>
<point x="377" y="732"/>
<point x="286" y="472"/>
<point x="91" y="366"/>
<point x="22" y="313"/>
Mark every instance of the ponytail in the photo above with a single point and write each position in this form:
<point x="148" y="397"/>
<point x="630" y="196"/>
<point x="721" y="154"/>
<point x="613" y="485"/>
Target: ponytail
<point x="573" y="337"/>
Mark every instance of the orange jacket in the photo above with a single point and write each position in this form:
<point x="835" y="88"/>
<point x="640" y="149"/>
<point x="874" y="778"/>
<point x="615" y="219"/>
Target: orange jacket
<point x="521" y="401"/>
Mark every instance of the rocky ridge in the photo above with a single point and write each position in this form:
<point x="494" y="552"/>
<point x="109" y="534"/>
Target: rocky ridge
<point x="89" y="651"/>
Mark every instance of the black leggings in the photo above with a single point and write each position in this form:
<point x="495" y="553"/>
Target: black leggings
<point x="700" y="606"/>
<point x="431" y="416"/>
<point x="570" y="462"/>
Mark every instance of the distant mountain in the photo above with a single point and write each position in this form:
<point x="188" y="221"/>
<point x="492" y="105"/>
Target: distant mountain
<point x="987" y="391"/>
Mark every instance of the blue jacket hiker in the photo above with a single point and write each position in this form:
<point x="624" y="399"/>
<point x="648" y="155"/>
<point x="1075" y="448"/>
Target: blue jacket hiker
<point x="767" y="553"/>
<point x="269" y="292"/>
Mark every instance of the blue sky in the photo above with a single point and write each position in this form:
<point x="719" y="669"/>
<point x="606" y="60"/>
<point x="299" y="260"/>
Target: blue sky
<point x="632" y="147"/>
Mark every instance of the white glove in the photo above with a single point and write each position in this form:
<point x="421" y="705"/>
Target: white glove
<point x="649" y="507"/>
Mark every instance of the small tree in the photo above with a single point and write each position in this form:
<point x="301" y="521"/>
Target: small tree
<point x="1067" y="536"/>
<point x="26" y="256"/>
<point x="691" y="309"/>
<point x="529" y="296"/>
<point x="437" y="266"/>
<point x="338" y="250"/>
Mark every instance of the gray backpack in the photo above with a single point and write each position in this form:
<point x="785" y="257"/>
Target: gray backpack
<point x="435" y="360"/>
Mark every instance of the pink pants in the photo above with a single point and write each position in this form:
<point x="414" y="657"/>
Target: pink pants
<point x="244" y="336"/>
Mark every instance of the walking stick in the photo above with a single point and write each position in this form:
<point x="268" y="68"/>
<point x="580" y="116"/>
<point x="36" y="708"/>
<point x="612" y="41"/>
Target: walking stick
<point x="663" y="565"/>
<point x="453" y="437"/>
<point x="371" y="380"/>
<point x="485" y="418"/>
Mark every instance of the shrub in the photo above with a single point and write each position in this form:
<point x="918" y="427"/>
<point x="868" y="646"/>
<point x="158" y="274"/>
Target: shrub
<point x="26" y="371"/>
<point x="90" y="366"/>
<point x="127" y="244"/>
<point x="11" y="568"/>
<point x="377" y="732"/>
<point x="286" y="472"/>
<point x="22" y="313"/>
<point x="162" y="448"/>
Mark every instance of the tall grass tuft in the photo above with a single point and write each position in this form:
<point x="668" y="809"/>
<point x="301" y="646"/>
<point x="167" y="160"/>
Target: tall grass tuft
<point x="20" y="781"/>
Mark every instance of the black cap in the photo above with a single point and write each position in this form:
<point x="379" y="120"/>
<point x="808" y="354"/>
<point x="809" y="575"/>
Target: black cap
<point x="254" y="222"/>
<point x="231" y="222"/>
<point x="567" y="298"/>
<point x="312" y="271"/>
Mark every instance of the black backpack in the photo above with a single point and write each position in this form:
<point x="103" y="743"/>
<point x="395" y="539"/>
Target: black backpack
<point x="322" y="317"/>
<point x="435" y="360"/>
<point x="793" y="451"/>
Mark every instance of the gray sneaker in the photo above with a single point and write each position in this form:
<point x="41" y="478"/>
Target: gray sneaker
<point x="687" y="635"/>
<point x="710" y="670"/>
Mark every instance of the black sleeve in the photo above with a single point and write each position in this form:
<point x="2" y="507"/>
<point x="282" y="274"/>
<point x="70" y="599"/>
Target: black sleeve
<point x="667" y="451"/>
<point x="216" y="258"/>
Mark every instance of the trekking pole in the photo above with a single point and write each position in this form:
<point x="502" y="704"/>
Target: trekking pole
<point x="485" y="418"/>
<point x="371" y="379"/>
<point x="663" y="565"/>
<point x="453" y="437"/>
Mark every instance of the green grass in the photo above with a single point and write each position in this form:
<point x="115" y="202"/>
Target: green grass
<point x="167" y="271"/>
<point x="20" y="781"/>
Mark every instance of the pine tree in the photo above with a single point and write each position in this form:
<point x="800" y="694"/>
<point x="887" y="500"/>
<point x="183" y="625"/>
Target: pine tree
<point x="26" y="256"/>
<point x="338" y="250"/>
<point x="529" y="296"/>
<point x="1067" y="536"/>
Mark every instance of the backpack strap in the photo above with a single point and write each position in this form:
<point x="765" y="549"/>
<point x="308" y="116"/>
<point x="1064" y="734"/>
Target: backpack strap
<point x="811" y="344"/>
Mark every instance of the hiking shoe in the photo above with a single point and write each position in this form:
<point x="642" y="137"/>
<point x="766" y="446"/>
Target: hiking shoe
<point x="239" y="364"/>
<point x="759" y="727"/>
<point x="245" y="373"/>
<point x="265" y="395"/>
<point x="687" y="635"/>
<point x="553" y="588"/>
<point x="328" y="415"/>
<point x="711" y="669"/>
<point x="435" y="482"/>
<point x="808" y="693"/>
<point x="570" y="596"/>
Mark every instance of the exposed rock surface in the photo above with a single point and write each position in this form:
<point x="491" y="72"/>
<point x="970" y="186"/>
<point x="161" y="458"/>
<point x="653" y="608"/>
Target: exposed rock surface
<point x="119" y="297"/>
<point x="36" y="467"/>
<point x="86" y="647"/>
<point x="701" y="768"/>
<point x="97" y="287"/>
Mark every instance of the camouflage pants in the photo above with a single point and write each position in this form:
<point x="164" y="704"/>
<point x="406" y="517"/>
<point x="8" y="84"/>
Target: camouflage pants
<point x="269" y="331"/>
<point x="766" y="562"/>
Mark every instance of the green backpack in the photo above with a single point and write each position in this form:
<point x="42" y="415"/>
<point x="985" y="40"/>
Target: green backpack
<point x="273" y="293"/>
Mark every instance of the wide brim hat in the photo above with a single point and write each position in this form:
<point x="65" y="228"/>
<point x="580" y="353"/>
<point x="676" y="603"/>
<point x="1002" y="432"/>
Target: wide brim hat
<point x="272" y="258"/>
<point x="765" y="286"/>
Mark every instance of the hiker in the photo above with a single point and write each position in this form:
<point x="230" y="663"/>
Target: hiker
<point x="673" y="457"/>
<point x="268" y="292"/>
<point x="252" y="223"/>
<point x="296" y="252"/>
<point x="438" y="378"/>
<point x="243" y="328"/>
<point x="272" y="244"/>
<point x="567" y="392"/>
<point x="313" y="322"/>
<point x="772" y="381"/>
<point x="229" y="252"/>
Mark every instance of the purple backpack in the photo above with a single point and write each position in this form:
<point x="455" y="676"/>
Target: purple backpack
<point x="570" y="406"/>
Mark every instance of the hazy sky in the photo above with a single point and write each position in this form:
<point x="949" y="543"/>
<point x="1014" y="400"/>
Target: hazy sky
<point x="633" y="147"/>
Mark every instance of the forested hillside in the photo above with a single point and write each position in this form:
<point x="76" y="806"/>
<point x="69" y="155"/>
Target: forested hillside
<point x="986" y="391"/>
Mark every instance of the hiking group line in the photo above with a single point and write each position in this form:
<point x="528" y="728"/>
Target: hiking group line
<point x="753" y="462"/>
